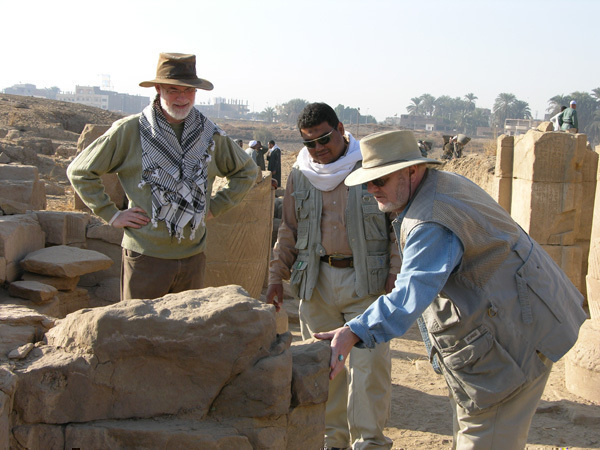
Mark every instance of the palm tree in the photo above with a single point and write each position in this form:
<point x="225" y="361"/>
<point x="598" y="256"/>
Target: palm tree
<point x="502" y="107"/>
<point x="556" y="102"/>
<point x="268" y="114"/>
<point x="414" y="109"/>
<point x="596" y="94"/>
<point x="470" y="98"/>
<point x="520" y="110"/>
<point x="428" y="104"/>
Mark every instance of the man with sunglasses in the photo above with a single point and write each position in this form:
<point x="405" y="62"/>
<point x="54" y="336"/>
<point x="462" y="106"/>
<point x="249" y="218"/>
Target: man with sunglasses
<point x="334" y="246"/>
<point x="494" y="309"/>
<point x="166" y="158"/>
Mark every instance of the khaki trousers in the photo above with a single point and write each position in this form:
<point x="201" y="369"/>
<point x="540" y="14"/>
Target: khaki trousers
<point x="146" y="277"/>
<point x="503" y="427"/>
<point x="359" y="398"/>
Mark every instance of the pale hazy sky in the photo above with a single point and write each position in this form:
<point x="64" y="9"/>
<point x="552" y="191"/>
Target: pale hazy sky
<point x="374" y="54"/>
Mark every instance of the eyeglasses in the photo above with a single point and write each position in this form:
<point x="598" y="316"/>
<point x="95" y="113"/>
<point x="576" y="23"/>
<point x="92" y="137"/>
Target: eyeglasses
<point x="380" y="182"/>
<point x="173" y="91"/>
<point x="323" y="140"/>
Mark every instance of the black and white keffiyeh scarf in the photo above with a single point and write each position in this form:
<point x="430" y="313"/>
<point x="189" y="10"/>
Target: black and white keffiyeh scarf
<point x="176" y="172"/>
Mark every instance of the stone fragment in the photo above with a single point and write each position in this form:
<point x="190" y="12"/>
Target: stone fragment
<point x="32" y="290"/>
<point x="113" y="251"/>
<point x="4" y="159"/>
<point x="60" y="283"/>
<point x="305" y="427"/>
<point x="29" y="192"/>
<point x="18" y="172"/>
<point x="10" y="207"/>
<point x="73" y="301"/>
<point x="310" y="373"/>
<point x="239" y="242"/>
<point x="97" y="229"/>
<point x="7" y="390"/>
<point x="549" y="157"/>
<point x="19" y="235"/>
<point x="570" y="259"/>
<point x="40" y="436"/>
<point x="20" y="352"/>
<point x="545" y="126"/>
<point x="65" y="261"/>
<point x="504" y="156"/>
<point x="244" y="397"/>
<point x="157" y="433"/>
<point x="550" y="213"/>
<point x="102" y="363"/>
<point x="63" y="228"/>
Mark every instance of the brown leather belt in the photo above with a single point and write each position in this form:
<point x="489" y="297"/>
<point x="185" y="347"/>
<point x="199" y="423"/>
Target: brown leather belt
<point x="339" y="262"/>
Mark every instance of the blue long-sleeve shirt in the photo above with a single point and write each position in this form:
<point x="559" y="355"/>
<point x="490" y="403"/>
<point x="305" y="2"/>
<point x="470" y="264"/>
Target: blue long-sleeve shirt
<point x="430" y="255"/>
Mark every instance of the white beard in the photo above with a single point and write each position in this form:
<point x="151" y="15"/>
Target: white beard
<point x="177" y="114"/>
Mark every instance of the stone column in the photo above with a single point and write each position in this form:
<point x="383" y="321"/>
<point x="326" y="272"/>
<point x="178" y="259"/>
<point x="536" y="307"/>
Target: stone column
<point x="582" y="368"/>
<point x="504" y="171"/>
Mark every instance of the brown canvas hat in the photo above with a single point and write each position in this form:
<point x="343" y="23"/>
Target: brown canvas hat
<point x="178" y="69"/>
<point x="387" y="152"/>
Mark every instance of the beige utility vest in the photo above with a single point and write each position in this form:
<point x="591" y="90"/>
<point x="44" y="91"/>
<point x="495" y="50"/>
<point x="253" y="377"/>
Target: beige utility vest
<point x="505" y="303"/>
<point x="368" y="235"/>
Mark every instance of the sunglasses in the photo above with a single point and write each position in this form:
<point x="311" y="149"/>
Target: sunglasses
<point x="323" y="140"/>
<point x="380" y="182"/>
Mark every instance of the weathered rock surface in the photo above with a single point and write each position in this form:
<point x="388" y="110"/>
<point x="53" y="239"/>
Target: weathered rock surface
<point x="32" y="290"/>
<point x="200" y="367"/>
<point x="65" y="261"/>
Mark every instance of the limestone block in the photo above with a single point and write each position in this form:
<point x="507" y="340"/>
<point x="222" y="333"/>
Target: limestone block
<point x="66" y="150"/>
<point x="90" y="133"/>
<point x="588" y="195"/>
<point x="32" y="290"/>
<point x="2" y="269"/>
<point x="10" y="207"/>
<point x="582" y="366"/>
<point x="40" y="436"/>
<point x="306" y="427"/>
<point x="21" y="154"/>
<point x="549" y="157"/>
<point x="114" y="252"/>
<point x="504" y="192"/>
<point x="545" y="126"/>
<point x="549" y="212"/>
<point x="72" y="301"/>
<point x="585" y="255"/>
<point x="239" y="242"/>
<point x="62" y="227"/>
<point x="570" y="259"/>
<point x="112" y="362"/>
<point x="157" y="433"/>
<point x="18" y="172"/>
<point x="13" y="271"/>
<point x="589" y="169"/>
<point x="593" y="294"/>
<point x="39" y="145"/>
<point x="594" y="259"/>
<point x="97" y="229"/>
<point x="4" y="158"/>
<point x="108" y="291"/>
<point x="20" y="235"/>
<point x="244" y="397"/>
<point x="7" y="389"/>
<point x="310" y="372"/>
<point x="262" y="432"/>
<point x="32" y="193"/>
<point x="282" y="321"/>
<point x="504" y="156"/>
<point x="60" y="283"/>
<point x="65" y="261"/>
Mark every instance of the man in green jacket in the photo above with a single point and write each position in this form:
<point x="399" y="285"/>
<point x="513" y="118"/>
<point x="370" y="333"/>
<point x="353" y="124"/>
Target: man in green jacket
<point x="166" y="159"/>
<point x="569" y="118"/>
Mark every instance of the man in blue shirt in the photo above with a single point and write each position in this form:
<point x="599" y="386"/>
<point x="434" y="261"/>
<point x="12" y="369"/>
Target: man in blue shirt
<point x="495" y="311"/>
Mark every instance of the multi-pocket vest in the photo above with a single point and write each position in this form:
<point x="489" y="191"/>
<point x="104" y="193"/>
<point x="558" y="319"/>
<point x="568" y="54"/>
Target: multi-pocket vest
<point x="368" y="235"/>
<point x="505" y="304"/>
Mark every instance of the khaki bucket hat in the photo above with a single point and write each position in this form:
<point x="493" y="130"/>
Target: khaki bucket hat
<point x="387" y="152"/>
<point x="178" y="69"/>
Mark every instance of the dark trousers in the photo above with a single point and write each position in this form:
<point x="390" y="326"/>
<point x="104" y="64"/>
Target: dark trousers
<point x="146" y="277"/>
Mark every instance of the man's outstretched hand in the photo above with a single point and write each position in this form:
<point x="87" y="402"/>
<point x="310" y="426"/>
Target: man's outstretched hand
<point x="342" y="340"/>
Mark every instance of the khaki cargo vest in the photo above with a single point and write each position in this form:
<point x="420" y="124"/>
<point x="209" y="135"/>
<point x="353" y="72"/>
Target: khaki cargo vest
<point x="368" y="234"/>
<point x="506" y="302"/>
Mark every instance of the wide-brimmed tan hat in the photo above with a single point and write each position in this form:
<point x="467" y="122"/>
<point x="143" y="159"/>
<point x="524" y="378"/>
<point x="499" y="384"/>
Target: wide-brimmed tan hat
<point x="387" y="152"/>
<point x="178" y="69"/>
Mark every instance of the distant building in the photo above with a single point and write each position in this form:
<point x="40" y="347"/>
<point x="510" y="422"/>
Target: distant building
<point x="108" y="100"/>
<point x="220" y="107"/>
<point x="30" y="90"/>
<point x="425" y="123"/>
<point x="514" y="127"/>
